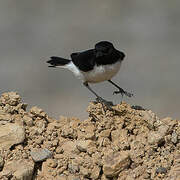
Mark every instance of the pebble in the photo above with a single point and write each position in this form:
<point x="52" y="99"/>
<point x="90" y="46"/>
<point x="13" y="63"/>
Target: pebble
<point x="1" y="162"/>
<point x="40" y="154"/>
<point x="161" y="170"/>
<point x="174" y="138"/>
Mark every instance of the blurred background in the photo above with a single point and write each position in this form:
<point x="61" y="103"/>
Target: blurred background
<point x="147" y="31"/>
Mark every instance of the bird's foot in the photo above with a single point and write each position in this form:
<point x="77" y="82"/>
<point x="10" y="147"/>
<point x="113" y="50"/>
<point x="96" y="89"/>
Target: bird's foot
<point x="123" y="92"/>
<point x="105" y="103"/>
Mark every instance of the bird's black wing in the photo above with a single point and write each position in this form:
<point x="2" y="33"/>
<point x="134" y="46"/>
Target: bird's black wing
<point x="109" y="58"/>
<point x="85" y="60"/>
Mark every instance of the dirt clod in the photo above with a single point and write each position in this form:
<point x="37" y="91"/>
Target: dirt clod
<point x="123" y="143"/>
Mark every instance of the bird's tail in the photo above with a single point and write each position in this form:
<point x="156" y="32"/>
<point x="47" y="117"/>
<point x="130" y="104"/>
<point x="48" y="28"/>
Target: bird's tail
<point x="57" y="61"/>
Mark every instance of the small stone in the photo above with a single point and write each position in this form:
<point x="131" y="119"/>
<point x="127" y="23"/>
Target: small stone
<point x="11" y="134"/>
<point x="83" y="145"/>
<point x="137" y="107"/>
<point x="11" y="98"/>
<point x="39" y="140"/>
<point x="1" y="162"/>
<point x="161" y="170"/>
<point x="40" y="154"/>
<point x="163" y="129"/>
<point x="5" y="117"/>
<point x="174" y="137"/>
<point x="149" y="118"/>
<point x="59" y="150"/>
<point x="114" y="163"/>
<point x="85" y="172"/>
<point x="155" y="138"/>
<point x="51" y="163"/>
<point x="21" y="169"/>
<point x="73" y="168"/>
<point x="68" y="147"/>
<point x="28" y="121"/>
<point x="37" y="112"/>
<point x="105" y="133"/>
<point x="86" y="131"/>
<point x="67" y="132"/>
<point x="95" y="172"/>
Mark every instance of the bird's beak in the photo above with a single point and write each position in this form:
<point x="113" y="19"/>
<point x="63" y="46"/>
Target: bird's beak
<point x="122" y="55"/>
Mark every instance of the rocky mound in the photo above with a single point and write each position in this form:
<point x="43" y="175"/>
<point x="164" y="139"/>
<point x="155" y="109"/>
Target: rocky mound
<point x="120" y="144"/>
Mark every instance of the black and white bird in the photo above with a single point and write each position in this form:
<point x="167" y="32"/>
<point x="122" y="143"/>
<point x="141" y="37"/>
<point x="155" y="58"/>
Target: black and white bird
<point x="94" y="65"/>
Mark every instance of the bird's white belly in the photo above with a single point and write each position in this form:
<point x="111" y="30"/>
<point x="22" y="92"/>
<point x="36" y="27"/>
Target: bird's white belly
<point x="101" y="73"/>
<point x="98" y="74"/>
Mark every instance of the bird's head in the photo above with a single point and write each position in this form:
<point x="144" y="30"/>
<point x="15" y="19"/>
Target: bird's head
<point x="104" y="48"/>
<point x="107" y="48"/>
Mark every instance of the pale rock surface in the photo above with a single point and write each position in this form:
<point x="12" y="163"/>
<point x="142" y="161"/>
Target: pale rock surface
<point x="84" y="145"/>
<point x="11" y="134"/>
<point x="11" y="98"/>
<point x="40" y="154"/>
<point x="114" y="163"/>
<point x="1" y="162"/>
<point x="20" y="170"/>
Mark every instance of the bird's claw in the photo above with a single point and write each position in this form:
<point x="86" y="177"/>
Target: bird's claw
<point x="122" y="92"/>
<point x="108" y="104"/>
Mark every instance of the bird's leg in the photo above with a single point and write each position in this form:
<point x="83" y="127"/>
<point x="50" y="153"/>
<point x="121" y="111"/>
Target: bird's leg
<point x="121" y="91"/>
<point x="99" y="99"/>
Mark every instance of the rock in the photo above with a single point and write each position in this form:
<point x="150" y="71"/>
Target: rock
<point x="68" y="132"/>
<point x="1" y="162"/>
<point x="115" y="163"/>
<point x="4" y="117"/>
<point x="51" y="163"/>
<point x="69" y="147"/>
<point x="95" y="172"/>
<point x="155" y="138"/>
<point x="83" y="145"/>
<point x="121" y="144"/>
<point x="11" y="134"/>
<point x="86" y="130"/>
<point x="37" y="112"/>
<point x="40" y="154"/>
<point x="105" y="133"/>
<point x="161" y="170"/>
<point x="120" y="139"/>
<point x="174" y="137"/>
<point x="20" y="170"/>
<point x="85" y="172"/>
<point x="47" y="171"/>
<point x="11" y="98"/>
<point x="28" y="120"/>
<point x="174" y="173"/>
<point x="73" y="167"/>
<point x="163" y="129"/>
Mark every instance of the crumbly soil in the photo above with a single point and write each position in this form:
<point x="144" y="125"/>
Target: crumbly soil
<point x="123" y="144"/>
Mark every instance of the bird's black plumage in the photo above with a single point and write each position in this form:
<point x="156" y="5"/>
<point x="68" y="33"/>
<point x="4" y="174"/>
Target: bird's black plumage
<point x="104" y="53"/>
<point x="57" y="61"/>
<point x="85" y="60"/>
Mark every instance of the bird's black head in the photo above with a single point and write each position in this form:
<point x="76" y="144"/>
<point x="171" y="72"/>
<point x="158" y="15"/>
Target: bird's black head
<point x="104" y="47"/>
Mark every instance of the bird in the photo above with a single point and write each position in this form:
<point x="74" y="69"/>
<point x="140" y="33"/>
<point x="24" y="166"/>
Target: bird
<point x="95" y="65"/>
